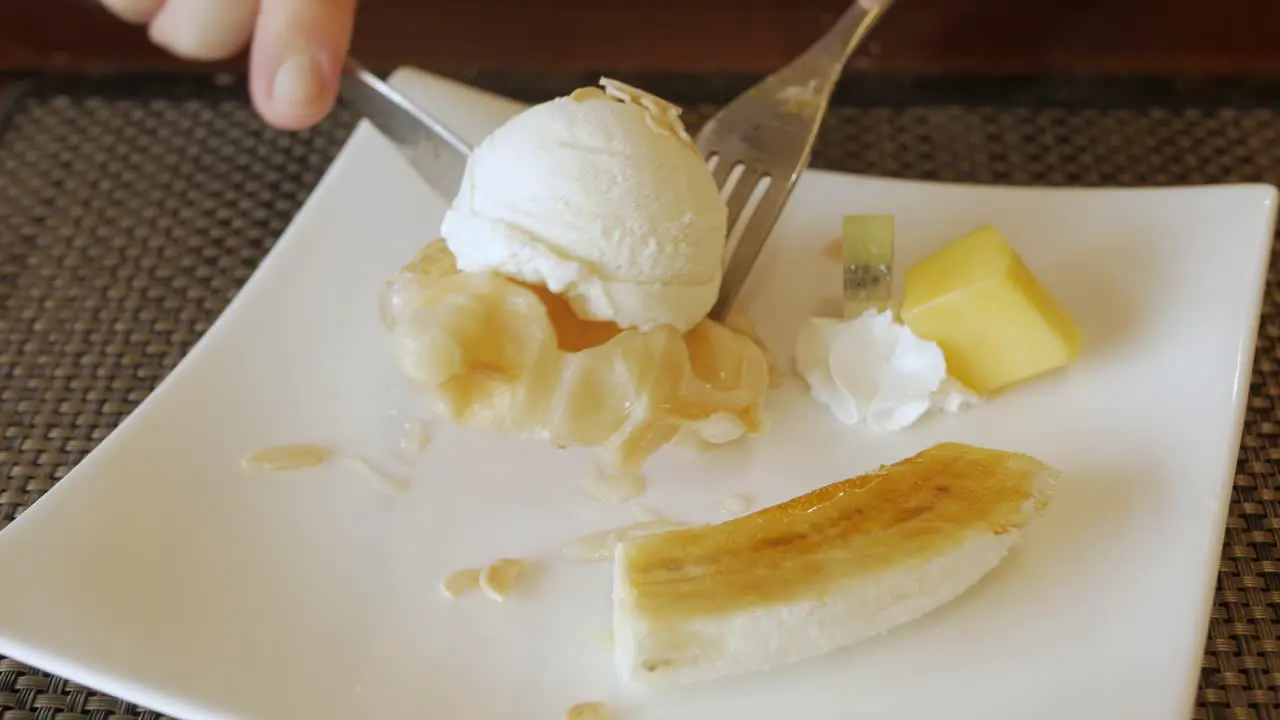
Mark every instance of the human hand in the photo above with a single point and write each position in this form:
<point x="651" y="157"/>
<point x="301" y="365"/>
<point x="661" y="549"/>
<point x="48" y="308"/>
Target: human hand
<point x="296" y="55"/>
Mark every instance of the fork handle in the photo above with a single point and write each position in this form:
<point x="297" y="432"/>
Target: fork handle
<point x="825" y="59"/>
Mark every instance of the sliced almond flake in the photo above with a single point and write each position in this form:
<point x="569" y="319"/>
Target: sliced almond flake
<point x="583" y="94"/>
<point x="656" y="106"/>
<point x="619" y="95"/>
<point x="656" y="125"/>
<point x="589" y="711"/>
<point x="293" y="456"/>
<point x="673" y="118"/>
<point x="685" y="136"/>
<point x="736" y="504"/>
<point x="644" y="98"/>
<point x="500" y="577"/>
<point x="617" y="87"/>
<point x="460" y="582"/>
<point x="634" y="95"/>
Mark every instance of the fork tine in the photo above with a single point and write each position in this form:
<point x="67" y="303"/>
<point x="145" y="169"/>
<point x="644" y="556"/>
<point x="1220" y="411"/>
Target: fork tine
<point x="770" y="136"/>
<point x="754" y="234"/>
<point x="721" y="170"/>
<point x="741" y="193"/>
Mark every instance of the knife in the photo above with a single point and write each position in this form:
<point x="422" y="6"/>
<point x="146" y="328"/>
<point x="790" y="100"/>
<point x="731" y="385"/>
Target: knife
<point x="433" y="150"/>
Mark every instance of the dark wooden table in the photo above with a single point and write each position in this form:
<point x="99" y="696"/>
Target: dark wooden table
<point x="1161" y="37"/>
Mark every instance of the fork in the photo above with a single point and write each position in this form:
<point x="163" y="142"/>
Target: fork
<point x="764" y="137"/>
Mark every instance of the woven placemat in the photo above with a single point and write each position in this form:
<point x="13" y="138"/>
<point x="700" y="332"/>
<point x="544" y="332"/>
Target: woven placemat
<point x="128" y="219"/>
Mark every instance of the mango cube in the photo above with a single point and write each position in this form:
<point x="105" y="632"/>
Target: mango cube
<point x="996" y="324"/>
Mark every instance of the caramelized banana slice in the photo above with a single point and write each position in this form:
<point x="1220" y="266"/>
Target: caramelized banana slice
<point x="494" y="354"/>
<point x="823" y="570"/>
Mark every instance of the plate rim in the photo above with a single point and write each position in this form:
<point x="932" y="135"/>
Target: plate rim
<point x="156" y="698"/>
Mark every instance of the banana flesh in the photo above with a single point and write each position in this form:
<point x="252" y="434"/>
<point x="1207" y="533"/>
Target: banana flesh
<point x="490" y="353"/>
<point x="821" y="571"/>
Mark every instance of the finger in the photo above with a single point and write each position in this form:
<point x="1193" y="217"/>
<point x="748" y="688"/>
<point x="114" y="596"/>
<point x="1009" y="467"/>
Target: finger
<point x="297" y="55"/>
<point x="138" y="12"/>
<point x="204" y="29"/>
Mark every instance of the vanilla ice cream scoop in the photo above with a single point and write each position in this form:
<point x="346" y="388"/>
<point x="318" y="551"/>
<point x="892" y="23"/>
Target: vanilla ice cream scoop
<point x="601" y="198"/>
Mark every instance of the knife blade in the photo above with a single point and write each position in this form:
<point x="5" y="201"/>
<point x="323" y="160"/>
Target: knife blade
<point x="434" y="151"/>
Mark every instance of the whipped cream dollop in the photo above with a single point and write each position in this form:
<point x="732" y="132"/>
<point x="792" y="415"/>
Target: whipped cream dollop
<point x="873" y="369"/>
<point x="602" y="199"/>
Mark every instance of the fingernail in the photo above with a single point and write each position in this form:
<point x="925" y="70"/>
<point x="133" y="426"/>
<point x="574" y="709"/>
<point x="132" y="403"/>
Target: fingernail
<point x="138" y="12"/>
<point x="299" y="83"/>
<point x="201" y="30"/>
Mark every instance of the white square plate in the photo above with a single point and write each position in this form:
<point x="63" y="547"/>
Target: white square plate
<point x="160" y="572"/>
